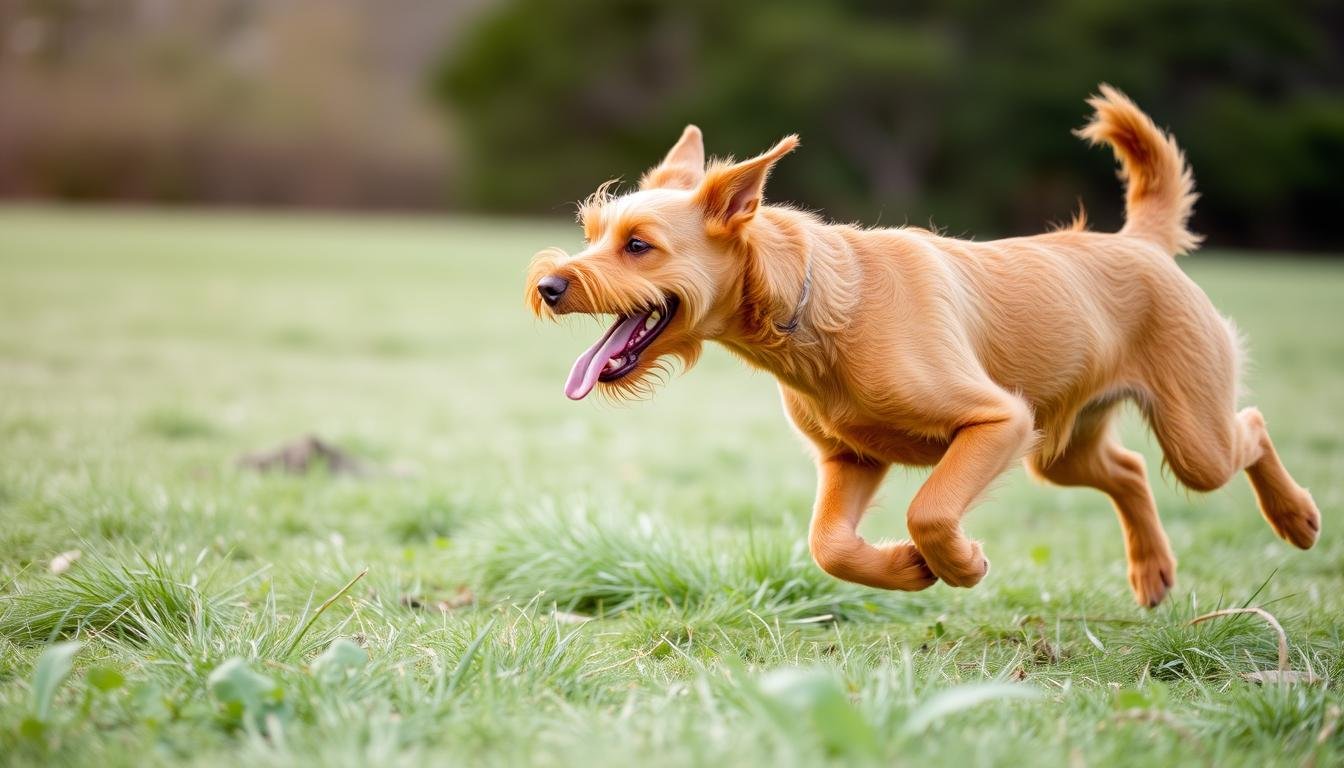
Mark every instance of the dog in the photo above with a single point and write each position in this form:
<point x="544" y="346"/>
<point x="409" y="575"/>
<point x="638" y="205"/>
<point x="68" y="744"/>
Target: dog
<point x="904" y="346"/>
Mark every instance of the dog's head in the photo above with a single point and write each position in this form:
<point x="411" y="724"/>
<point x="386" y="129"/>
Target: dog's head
<point x="667" y="260"/>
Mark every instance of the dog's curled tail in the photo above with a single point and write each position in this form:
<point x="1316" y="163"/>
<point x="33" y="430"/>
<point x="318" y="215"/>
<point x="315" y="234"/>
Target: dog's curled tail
<point x="1160" y="189"/>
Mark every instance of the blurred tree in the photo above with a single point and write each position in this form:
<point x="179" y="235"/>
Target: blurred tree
<point x="306" y="102"/>
<point x="958" y="111"/>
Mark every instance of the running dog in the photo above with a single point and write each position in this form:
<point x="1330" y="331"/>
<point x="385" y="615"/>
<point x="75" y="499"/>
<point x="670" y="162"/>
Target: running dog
<point x="903" y="346"/>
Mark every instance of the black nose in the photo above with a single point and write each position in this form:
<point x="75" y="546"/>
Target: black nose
<point x="552" y="288"/>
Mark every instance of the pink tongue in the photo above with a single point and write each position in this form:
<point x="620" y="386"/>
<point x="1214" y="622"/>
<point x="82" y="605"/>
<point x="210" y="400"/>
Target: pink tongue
<point x="583" y="377"/>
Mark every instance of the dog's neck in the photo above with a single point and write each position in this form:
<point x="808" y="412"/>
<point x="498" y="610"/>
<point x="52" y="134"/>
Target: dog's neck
<point x="798" y="283"/>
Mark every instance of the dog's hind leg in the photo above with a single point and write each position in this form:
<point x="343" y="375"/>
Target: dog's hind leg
<point x="1204" y="449"/>
<point x="1206" y="442"/>
<point x="1094" y="458"/>
<point x="1287" y="506"/>
<point x="846" y="488"/>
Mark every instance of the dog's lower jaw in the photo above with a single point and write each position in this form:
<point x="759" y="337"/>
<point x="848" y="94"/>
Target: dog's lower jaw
<point x="617" y="353"/>
<point x="675" y="351"/>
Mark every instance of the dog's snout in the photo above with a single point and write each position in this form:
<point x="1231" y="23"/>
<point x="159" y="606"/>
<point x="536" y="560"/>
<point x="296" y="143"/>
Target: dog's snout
<point x="551" y="288"/>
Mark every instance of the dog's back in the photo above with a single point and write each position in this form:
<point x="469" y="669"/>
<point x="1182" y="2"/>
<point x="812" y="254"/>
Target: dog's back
<point x="1064" y="318"/>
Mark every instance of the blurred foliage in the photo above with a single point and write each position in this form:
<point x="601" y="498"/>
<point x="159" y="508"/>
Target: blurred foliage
<point x="958" y="111"/>
<point x="223" y="101"/>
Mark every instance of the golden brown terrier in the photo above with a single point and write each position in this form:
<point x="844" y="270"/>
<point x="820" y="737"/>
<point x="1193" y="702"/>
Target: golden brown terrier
<point x="901" y="346"/>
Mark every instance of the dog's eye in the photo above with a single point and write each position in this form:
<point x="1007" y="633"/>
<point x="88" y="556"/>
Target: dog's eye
<point x="635" y="246"/>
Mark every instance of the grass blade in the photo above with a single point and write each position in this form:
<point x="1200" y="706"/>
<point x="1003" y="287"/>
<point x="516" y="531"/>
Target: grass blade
<point x="961" y="698"/>
<point x="53" y="666"/>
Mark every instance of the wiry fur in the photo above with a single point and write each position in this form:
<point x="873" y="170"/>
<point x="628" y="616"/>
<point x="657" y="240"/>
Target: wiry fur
<point x="923" y="350"/>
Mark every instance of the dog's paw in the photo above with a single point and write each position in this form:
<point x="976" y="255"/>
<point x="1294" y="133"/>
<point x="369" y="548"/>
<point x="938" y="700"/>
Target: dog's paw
<point x="965" y="570"/>
<point x="1295" y="518"/>
<point x="907" y="568"/>
<point x="1151" y="578"/>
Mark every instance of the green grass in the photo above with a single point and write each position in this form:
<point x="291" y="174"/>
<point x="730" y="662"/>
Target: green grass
<point x="141" y="353"/>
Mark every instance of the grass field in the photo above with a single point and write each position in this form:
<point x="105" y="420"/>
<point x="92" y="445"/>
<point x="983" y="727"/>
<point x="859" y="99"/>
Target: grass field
<point x="141" y="353"/>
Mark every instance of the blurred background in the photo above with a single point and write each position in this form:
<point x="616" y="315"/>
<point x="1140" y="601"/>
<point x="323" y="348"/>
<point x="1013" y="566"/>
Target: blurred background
<point x="953" y="112"/>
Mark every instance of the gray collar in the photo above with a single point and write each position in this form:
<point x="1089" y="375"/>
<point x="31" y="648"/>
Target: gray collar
<point x="792" y="325"/>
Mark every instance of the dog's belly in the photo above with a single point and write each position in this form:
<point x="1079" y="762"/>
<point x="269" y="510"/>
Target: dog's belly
<point x="891" y="444"/>
<point x="836" y="431"/>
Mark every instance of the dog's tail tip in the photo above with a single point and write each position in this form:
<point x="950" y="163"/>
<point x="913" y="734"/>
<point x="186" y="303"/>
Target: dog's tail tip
<point x="1160" y="188"/>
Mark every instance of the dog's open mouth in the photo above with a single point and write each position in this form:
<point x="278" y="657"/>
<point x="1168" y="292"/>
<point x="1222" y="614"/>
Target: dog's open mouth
<point x="617" y="353"/>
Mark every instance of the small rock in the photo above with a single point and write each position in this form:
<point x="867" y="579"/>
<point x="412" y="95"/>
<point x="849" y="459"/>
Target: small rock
<point x="299" y="456"/>
<point x="462" y="598"/>
<point x="1281" y="677"/>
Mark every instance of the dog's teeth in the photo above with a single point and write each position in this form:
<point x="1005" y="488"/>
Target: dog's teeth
<point x="652" y="321"/>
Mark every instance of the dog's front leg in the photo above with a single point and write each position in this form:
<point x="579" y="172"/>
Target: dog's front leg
<point x="846" y="485"/>
<point x="979" y="452"/>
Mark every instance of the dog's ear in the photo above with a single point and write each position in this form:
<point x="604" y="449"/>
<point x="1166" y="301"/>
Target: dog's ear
<point x="684" y="166"/>
<point x="730" y="194"/>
